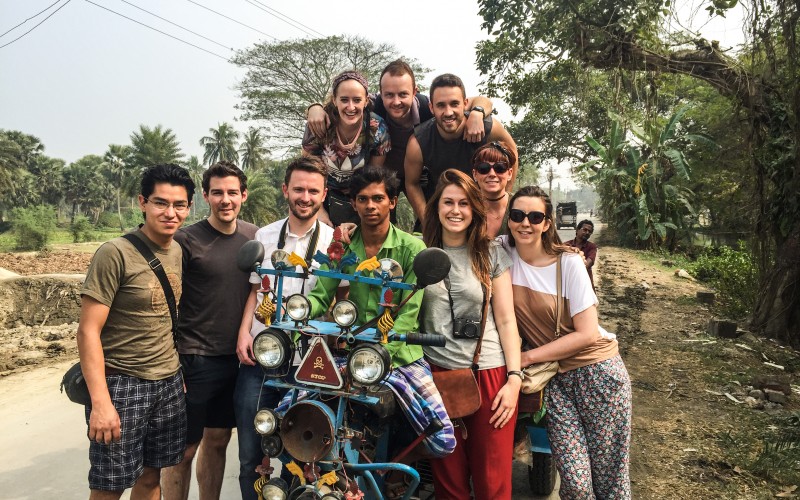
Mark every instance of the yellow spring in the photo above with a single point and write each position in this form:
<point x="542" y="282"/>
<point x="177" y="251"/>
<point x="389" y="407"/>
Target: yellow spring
<point x="385" y="324"/>
<point x="260" y="482"/>
<point x="266" y="309"/>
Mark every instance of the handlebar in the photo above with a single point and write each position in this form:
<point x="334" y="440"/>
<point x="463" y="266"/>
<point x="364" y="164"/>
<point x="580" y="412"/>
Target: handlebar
<point x="429" y="339"/>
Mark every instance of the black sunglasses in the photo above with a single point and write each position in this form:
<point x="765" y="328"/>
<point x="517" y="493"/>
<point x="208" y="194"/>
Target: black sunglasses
<point x="517" y="215"/>
<point x="499" y="167"/>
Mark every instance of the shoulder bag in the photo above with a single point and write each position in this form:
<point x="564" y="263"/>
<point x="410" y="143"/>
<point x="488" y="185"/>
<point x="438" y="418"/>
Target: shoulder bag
<point x="459" y="388"/>
<point x="73" y="382"/>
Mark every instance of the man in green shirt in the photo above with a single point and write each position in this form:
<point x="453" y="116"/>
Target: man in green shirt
<point x="373" y="193"/>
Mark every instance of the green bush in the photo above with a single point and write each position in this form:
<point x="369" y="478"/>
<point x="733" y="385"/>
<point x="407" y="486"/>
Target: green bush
<point x="81" y="230"/>
<point x="108" y="220"/>
<point x="33" y="226"/>
<point x="733" y="273"/>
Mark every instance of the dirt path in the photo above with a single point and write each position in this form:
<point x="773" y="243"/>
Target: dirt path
<point x="690" y="439"/>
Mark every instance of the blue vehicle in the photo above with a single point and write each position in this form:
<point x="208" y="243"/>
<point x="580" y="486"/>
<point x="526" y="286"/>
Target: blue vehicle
<point x="336" y="431"/>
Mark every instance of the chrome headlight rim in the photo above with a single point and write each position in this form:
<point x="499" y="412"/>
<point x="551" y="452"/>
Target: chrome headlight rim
<point x="272" y="340"/>
<point x="341" y="310"/>
<point x="266" y="422"/>
<point x="275" y="488"/>
<point x="298" y="307"/>
<point x="378" y="353"/>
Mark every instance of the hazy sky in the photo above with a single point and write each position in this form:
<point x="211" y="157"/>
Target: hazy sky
<point x="87" y="78"/>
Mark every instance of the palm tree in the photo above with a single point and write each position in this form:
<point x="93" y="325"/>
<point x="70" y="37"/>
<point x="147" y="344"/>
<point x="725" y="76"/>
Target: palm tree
<point x="220" y="145"/>
<point x="253" y="151"/>
<point x="84" y="185"/>
<point x="116" y="163"/>
<point x="151" y="146"/>
<point x="196" y="170"/>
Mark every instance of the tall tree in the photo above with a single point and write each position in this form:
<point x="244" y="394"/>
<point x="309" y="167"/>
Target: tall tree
<point x="253" y="150"/>
<point x="196" y="169"/>
<point x="151" y="146"/>
<point x="284" y="77"/>
<point x="220" y="145"/>
<point x="630" y="35"/>
<point x="117" y="166"/>
<point x="19" y="153"/>
<point x="85" y="187"/>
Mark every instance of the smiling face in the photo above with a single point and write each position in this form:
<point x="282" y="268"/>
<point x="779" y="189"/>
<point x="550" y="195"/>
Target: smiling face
<point x="161" y="225"/>
<point x="304" y="194"/>
<point x="350" y="99"/>
<point x="455" y="212"/>
<point x="492" y="184"/>
<point x="225" y="198"/>
<point x="524" y="232"/>
<point x="397" y="93"/>
<point x="373" y="205"/>
<point x="447" y="105"/>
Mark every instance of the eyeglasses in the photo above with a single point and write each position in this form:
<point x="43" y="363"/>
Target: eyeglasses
<point x="499" y="167"/>
<point x="162" y="206"/>
<point x="517" y="215"/>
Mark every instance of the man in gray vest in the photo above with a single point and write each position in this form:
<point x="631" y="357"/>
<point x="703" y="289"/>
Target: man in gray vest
<point x="439" y="144"/>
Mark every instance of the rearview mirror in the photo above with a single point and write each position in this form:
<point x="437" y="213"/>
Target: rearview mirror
<point x="249" y="255"/>
<point x="431" y="266"/>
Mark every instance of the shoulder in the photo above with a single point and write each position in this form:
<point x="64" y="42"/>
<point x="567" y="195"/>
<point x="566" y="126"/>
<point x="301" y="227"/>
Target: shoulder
<point x="246" y="228"/>
<point x="498" y="253"/>
<point x="408" y="240"/>
<point x="571" y="261"/>
<point x="424" y="128"/>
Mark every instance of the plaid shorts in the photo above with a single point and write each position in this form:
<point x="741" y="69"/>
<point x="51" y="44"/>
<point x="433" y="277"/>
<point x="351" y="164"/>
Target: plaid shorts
<point x="152" y="417"/>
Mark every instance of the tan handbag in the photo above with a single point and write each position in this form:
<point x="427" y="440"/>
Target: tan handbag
<point x="536" y="376"/>
<point x="459" y="388"/>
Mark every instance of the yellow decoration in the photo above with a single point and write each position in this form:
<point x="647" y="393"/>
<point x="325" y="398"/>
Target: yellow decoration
<point x="370" y="264"/>
<point x="328" y="479"/>
<point x="296" y="260"/>
<point x="260" y="482"/>
<point x="297" y="471"/>
<point x="266" y="309"/>
<point x="385" y="324"/>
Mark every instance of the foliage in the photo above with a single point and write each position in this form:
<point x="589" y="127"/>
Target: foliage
<point x="733" y="274"/>
<point x="85" y="187"/>
<point x="284" y="77"/>
<point x="33" y="226"/>
<point x="253" y="150"/>
<point x="81" y="230"/>
<point x="265" y="202"/>
<point x="781" y="449"/>
<point x="151" y="146"/>
<point x="220" y="145"/>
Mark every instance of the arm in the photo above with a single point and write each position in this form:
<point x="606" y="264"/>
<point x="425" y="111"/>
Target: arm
<point x="499" y="133"/>
<point x="413" y="169"/>
<point x="318" y="121"/>
<point x="244" y="343"/>
<point x="503" y="308"/>
<point x="585" y="334"/>
<point x="322" y="294"/>
<point x="474" y="131"/>
<point x="590" y="255"/>
<point x="104" y="423"/>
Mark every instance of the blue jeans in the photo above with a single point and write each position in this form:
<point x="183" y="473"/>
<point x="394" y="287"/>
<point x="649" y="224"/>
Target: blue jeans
<point x="249" y="387"/>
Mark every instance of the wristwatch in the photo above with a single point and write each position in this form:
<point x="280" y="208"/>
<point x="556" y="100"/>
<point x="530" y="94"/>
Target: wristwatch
<point x="479" y="108"/>
<point x="517" y="373"/>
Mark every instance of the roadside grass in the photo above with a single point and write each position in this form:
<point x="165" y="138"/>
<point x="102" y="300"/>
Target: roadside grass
<point x="62" y="239"/>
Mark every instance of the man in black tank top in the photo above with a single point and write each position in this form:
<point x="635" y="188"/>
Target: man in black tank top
<point x="439" y="144"/>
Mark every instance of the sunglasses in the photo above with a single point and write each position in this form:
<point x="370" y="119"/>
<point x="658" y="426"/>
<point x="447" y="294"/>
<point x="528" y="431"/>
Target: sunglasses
<point x="517" y="215"/>
<point x="499" y="167"/>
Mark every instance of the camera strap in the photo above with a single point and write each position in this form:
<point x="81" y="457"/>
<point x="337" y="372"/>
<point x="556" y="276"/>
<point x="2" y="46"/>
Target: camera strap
<point x="484" y="314"/>
<point x="312" y="248"/>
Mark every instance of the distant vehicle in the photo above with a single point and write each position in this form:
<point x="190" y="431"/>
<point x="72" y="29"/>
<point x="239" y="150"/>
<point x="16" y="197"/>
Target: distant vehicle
<point x="566" y="215"/>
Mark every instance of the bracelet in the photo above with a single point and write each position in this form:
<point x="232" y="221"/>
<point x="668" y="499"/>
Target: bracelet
<point x="312" y="105"/>
<point x="517" y="373"/>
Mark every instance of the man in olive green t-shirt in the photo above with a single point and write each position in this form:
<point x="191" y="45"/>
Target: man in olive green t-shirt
<point x="137" y="417"/>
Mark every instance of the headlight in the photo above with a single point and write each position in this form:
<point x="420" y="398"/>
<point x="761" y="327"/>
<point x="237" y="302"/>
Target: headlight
<point x="298" y="307"/>
<point x="368" y="364"/>
<point x="271" y="445"/>
<point x="275" y="489"/>
<point x="344" y="313"/>
<point x="271" y="348"/>
<point x="266" y="422"/>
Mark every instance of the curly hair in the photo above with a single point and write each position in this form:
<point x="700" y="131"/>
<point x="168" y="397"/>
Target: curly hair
<point x="477" y="234"/>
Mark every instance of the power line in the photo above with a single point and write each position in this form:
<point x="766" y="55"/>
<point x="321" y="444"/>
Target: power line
<point x="176" y="24"/>
<point x="232" y="19"/>
<point x="267" y="9"/>
<point x="33" y="16"/>
<point x="159" y="31"/>
<point x="36" y="26"/>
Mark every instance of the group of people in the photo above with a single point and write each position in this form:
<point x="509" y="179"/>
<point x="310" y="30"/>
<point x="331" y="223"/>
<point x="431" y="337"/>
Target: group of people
<point x="163" y="394"/>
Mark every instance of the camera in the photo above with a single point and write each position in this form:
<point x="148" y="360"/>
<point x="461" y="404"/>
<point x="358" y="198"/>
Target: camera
<point x="466" y="328"/>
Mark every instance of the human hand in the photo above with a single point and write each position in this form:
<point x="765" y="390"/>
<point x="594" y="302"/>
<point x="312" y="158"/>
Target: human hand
<point x="104" y="424"/>
<point x="505" y="403"/>
<point x="347" y="229"/>
<point x="474" y="131"/>
<point x="244" y="349"/>
<point x="318" y="120"/>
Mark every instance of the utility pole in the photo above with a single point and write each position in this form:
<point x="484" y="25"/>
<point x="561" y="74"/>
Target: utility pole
<point x="550" y="177"/>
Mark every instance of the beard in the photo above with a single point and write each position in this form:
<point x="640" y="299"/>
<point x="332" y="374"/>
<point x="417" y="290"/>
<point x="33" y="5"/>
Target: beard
<point x="297" y="213"/>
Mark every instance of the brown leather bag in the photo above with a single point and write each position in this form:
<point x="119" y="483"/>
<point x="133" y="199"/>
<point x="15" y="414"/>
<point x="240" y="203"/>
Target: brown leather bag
<point x="459" y="388"/>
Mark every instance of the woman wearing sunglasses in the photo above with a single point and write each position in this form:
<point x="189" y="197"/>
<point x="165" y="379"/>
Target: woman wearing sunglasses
<point x="589" y="400"/>
<point x="492" y="169"/>
<point x="455" y="220"/>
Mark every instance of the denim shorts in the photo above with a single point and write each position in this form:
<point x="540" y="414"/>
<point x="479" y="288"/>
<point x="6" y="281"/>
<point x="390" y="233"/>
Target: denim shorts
<point x="152" y="417"/>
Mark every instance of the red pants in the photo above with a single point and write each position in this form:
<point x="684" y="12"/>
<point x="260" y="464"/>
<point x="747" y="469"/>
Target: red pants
<point x="486" y="453"/>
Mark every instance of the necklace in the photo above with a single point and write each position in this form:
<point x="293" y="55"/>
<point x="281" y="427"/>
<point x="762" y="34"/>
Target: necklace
<point x="349" y="145"/>
<point x="498" y="199"/>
